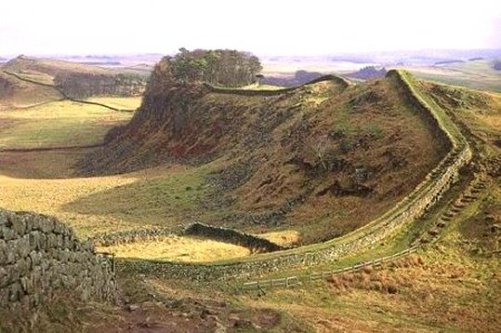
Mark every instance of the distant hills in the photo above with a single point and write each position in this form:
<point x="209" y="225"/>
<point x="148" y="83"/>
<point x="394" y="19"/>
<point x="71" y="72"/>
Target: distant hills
<point x="26" y="81"/>
<point x="367" y="73"/>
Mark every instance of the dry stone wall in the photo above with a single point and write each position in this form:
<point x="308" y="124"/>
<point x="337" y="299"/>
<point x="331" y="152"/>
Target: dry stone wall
<point x="249" y="92"/>
<point x="131" y="236"/>
<point x="255" y="244"/>
<point x="40" y="257"/>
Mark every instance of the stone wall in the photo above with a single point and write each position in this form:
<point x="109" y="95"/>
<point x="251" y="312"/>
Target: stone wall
<point x="131" y="236"/>
<point x="255" y="244"/>
<point x="412" y="207"/>
<point x="250" y="92"/>
<point x="40" y="257"/>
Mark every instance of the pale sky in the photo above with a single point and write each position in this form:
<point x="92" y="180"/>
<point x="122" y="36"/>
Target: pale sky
<point x="266" y="27"/>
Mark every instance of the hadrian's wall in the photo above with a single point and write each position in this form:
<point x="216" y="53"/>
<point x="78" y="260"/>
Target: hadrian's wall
<point x="250" y="92"/>
<point x="40" y="257"/>
<point x="254" y="243"/>
<point x="425" y="195"/>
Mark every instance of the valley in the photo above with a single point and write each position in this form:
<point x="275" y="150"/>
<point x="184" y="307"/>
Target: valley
<point x="384" y="195"/>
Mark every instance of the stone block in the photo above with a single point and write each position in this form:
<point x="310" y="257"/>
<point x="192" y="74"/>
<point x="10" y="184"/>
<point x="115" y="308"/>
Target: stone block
<point x="15" y="292"/>
<point x="22" y="246"/>
<point x="18" y="224"/>
<point x="46" y="225"/>
<point x="3" y="252"/>
<point x="8" y="233"/>
<point x="4" y="277"/>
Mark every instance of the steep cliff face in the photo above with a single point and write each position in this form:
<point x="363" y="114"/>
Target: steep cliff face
<point x="321" y="154"/>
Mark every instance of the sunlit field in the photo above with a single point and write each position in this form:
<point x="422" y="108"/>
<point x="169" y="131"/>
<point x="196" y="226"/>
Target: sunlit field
<point x="57" y="124"/>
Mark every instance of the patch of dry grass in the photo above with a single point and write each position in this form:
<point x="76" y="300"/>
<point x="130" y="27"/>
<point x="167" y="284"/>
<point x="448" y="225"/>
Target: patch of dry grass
<point x="282" y="238"/>
<point x="177" y="248"/>
<point x="123" y="103"/>
<point x="132" y="200"/>
<point x="48" y="196"/>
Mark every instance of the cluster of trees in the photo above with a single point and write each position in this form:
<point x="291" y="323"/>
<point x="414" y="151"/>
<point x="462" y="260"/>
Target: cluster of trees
<point x="82" y="85"/>
<point x="229" y="68"/>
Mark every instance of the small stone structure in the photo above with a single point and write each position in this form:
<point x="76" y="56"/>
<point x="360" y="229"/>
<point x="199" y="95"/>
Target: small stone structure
<point x="39" y="257"/>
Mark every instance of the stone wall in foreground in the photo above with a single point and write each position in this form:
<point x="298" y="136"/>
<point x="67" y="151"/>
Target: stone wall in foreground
<point x="39" y="257"/>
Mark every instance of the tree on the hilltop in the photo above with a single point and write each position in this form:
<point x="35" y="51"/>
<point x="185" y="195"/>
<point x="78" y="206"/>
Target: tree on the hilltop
<point x="221" y="67"/>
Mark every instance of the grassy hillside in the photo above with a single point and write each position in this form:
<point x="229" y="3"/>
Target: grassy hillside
<point x="452" y="285"/>
<point x="310" y="160"/>
<point x="34" y="80"/>
<point x="42" y="69"/>
<point x="16" y="93"/>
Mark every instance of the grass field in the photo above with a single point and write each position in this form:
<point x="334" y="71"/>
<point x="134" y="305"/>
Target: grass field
<point x="175" y="248"/>
<point x="57" y="124"/>
<point x="478" y="74"/>
<point x="36" y="76"/>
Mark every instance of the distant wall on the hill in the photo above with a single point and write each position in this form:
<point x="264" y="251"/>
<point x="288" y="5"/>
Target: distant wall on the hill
<point x="40" y="257"/>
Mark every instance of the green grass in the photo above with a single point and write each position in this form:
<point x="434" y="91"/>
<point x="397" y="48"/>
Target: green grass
<point x="57" y="124"/>
<point x="167" y="199"/>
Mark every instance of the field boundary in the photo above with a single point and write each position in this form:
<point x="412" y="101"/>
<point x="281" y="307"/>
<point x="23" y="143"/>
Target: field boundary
<point x="226" y="235"/>
<point x="432" y="235"/>
<point x="256" y="92"/>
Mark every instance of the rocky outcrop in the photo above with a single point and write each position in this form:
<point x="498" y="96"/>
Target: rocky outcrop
<point x="41" y="257"/>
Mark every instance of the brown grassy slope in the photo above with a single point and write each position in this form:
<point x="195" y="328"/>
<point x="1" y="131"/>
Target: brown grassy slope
<point x="16" y="93"/>
<point x="39" y="66"/>
<point x="322" y="159"/>
<point x="478" y="112"/>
